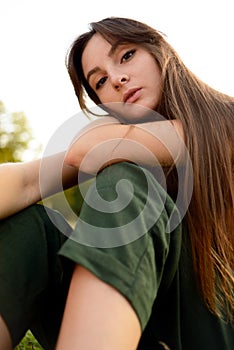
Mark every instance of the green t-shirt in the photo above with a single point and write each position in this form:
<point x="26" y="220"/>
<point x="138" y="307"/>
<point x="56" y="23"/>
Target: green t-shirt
<point x="128" y="237"/>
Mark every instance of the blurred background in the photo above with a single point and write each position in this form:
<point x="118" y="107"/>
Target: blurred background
<point x="35" y="36"/>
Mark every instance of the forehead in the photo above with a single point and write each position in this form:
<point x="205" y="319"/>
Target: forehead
<point x="96" y="49"/>
<point x="97" y="41"/>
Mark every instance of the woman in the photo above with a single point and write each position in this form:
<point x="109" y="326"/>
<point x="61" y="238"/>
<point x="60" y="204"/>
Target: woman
<point x="124" y="61"/>
<point x="142" y="293"/>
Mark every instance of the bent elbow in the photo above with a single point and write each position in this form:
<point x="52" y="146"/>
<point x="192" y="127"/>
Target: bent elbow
<point x="72" y="159"/>
<point x="79" y="162"/>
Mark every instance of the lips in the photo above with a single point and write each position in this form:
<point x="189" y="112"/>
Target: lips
<point x="131" y="95"/>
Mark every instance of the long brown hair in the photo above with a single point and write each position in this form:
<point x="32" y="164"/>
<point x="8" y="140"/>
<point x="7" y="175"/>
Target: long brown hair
<point x="208" y="121"/>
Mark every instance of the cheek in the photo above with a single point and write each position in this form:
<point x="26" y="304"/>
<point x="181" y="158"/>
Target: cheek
<point x="153" y="69"/>
<point x="104" y="97"/>
<point x="156" y="82"/>
<point x="108" y="94"/>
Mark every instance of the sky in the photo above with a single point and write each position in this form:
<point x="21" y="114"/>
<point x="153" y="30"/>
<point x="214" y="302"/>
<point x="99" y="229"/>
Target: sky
<point x="35" y="36"/>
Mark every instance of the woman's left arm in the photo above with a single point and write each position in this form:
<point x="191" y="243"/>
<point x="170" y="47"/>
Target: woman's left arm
<point x="106" y="141"/>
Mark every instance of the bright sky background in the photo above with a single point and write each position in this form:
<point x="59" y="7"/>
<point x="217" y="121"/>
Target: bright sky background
<point x="35" y="35"/>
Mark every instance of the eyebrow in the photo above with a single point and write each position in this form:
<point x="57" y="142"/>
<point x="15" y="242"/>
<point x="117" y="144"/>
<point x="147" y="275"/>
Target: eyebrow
<point x="98" y="69"/>
<point x="92" y="71"/>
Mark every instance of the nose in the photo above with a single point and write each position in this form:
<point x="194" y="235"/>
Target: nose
<point x="119" y="79"/>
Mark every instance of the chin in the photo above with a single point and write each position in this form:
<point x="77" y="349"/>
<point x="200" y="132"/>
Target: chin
<point x="131" y="113"/>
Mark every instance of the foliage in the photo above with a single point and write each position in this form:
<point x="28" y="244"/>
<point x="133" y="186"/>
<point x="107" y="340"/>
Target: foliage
<point x="16" y="137"/>
<point x="29" y="343"/>
<point x="69" y="202"/>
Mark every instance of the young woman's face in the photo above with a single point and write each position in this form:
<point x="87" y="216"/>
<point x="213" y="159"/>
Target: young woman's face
<point x="127" y="74"/>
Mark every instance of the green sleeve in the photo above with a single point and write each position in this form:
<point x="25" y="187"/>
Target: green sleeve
<point x="121" y="234"/>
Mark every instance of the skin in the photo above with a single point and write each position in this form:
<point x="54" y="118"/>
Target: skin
<point x="97" y="316"/>
<point x="127" y="75"/>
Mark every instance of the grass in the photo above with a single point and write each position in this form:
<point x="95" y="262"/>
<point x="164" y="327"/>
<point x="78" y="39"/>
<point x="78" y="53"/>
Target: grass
<point x="28" y="343"/>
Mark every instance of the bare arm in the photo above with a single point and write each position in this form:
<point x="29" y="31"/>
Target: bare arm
<point x="102" y="142"/>
<point x="20" y="182"/>
<point x="106" y="141"/>
<point x="97" y="316"/>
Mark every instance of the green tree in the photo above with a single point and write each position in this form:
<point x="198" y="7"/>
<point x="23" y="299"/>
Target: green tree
<point x="16" y="137"/>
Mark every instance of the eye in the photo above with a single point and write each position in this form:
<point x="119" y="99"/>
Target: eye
<point x="100" y="82"/>
<point x="128" y="55"/>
